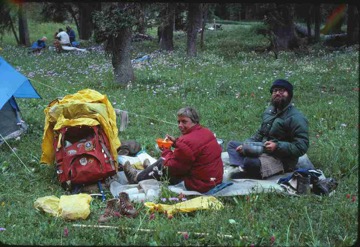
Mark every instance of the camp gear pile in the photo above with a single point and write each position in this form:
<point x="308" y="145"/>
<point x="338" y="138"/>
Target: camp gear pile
<point x="79" y="149"/>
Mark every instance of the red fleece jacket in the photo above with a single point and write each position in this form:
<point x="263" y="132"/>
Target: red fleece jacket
<point x="196" y="159"/>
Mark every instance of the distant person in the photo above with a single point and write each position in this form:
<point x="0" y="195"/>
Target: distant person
<point x="283" y="134"/>
<point x="38" y="45"/>
<point x="196" y="158"/>
<point x="63" y="37"/>
<point x="71" y="34"/>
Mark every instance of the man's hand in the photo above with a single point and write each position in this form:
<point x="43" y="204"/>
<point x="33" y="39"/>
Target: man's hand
<point x="270" y="146"/>
<point x="239" y="149"/>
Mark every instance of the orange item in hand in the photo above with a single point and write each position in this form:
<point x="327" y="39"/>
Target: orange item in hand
<point x="163" y="143"/>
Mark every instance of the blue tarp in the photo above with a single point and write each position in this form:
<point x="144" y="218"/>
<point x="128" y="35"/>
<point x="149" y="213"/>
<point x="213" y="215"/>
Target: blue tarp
<point x="13" y="83"/>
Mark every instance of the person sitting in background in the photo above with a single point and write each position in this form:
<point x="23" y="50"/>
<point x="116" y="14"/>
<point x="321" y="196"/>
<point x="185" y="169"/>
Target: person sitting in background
<point x="38" y="45"/>
<point x="283" y="133"/>
<point x="196" y="158"/>
<point x="63" y="37"/>
<point x="71" y="34"/>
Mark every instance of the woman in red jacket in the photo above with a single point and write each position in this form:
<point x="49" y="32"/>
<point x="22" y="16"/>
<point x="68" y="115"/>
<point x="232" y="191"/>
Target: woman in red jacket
<point x="196" y="158"/>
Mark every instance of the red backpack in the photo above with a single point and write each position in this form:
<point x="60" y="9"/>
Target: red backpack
<point x="82" y="155"/>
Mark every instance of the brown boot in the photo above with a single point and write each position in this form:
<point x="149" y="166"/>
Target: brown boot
<point x="130" y="173"/>
<point x="112" y="208"/>
<point x="146" y="163"/>
<point x="126" y="208"/>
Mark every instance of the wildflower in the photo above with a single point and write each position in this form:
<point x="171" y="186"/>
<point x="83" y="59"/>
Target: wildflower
<point x="185" y="235"/>
<point x="2" y="229"/>
<point x="152" y="216"/>
<point x="173" y="199"/>
<point x="66" y="232"/>
<point x="272" y="239"/>
<point x="183" y="199"/>
<point x="353" y="199"/>
<point x="348" y="196"/>
<point x="163" y="199"/>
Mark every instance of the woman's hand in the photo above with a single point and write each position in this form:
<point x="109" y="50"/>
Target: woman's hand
<point x="171" y="138"/>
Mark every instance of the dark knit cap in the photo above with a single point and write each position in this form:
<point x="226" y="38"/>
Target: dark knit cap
<point x="283" y="84"/>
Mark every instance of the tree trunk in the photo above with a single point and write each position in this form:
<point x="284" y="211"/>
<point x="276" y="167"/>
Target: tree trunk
<point x="121" y="57"/>
<point x="166" y="32"/>
<point x="352" y="25"/>
<point x="243" y="11"/>
<point x="86" y="25"/>
<point x="73" y="15"/>
<point x="317" y="20"/>
<point x="23" y="26"/>
<point x="141" y="27"/>
<point x="203" y="26"/>
<point x="194" y="23"/>
<point x="282" y="27"/>
<point x="308" y="21"/>
<point x="14" y="31"/>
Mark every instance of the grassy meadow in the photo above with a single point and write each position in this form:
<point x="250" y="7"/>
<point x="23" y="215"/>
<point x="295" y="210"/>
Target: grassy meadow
<point x="228" y="83"/>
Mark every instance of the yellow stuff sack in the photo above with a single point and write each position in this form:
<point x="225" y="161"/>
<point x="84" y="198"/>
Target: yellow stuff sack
<point x="72" y="207"/>
<point x="48" y="204"/>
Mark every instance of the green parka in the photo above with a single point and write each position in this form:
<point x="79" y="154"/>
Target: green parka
<point x="289" y="129"/>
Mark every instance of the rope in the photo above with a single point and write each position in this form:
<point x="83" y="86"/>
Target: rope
<point x="15" y="153"/>
<point x="46" y="85"/>
<point x="137" y="115"/>
<point x="120" y="110"/>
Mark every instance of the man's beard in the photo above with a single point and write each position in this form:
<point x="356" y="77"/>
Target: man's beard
<point x="280" y="102"/>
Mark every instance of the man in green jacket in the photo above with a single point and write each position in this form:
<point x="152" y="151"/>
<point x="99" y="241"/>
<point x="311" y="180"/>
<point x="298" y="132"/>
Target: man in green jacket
<point x="279" y="142"/>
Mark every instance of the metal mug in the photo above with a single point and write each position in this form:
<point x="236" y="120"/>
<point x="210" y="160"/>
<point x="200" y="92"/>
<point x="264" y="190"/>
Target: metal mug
<point x="252" y="149"/>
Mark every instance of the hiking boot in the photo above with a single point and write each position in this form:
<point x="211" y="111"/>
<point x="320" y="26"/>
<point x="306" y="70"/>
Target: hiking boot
<point x="325" y="186"/>
<point x="303" y="184"/>
<point x="110" y="211"/>
<point x="146" y="163"/>
<point x="126" y="208"/>
<point x="130" y="173"/>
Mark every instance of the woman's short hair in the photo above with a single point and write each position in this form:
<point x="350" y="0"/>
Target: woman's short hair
<point x="190" y="113"/>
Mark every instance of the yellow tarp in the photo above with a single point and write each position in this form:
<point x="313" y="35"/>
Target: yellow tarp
<point x="68" y="207"/>
<point x="198" y="203"/>
<point x="86" y="107"/>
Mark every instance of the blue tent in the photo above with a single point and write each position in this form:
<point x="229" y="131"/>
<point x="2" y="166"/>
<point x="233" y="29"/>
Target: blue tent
<point x="12" y="85"/>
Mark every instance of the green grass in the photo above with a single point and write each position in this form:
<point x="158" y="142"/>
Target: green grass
<point x="228" y="83"/>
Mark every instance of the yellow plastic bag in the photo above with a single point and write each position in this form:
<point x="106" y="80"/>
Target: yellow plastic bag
<point x="198" y="203"/>
<point x="70" y="207"/>
<point x="75" y="207"/>
<point x="48" y="204"/>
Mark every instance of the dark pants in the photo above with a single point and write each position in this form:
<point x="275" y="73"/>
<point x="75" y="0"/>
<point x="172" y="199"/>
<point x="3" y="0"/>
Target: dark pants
<point x="251" y="165"/>
<point x="157" y="171"/>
